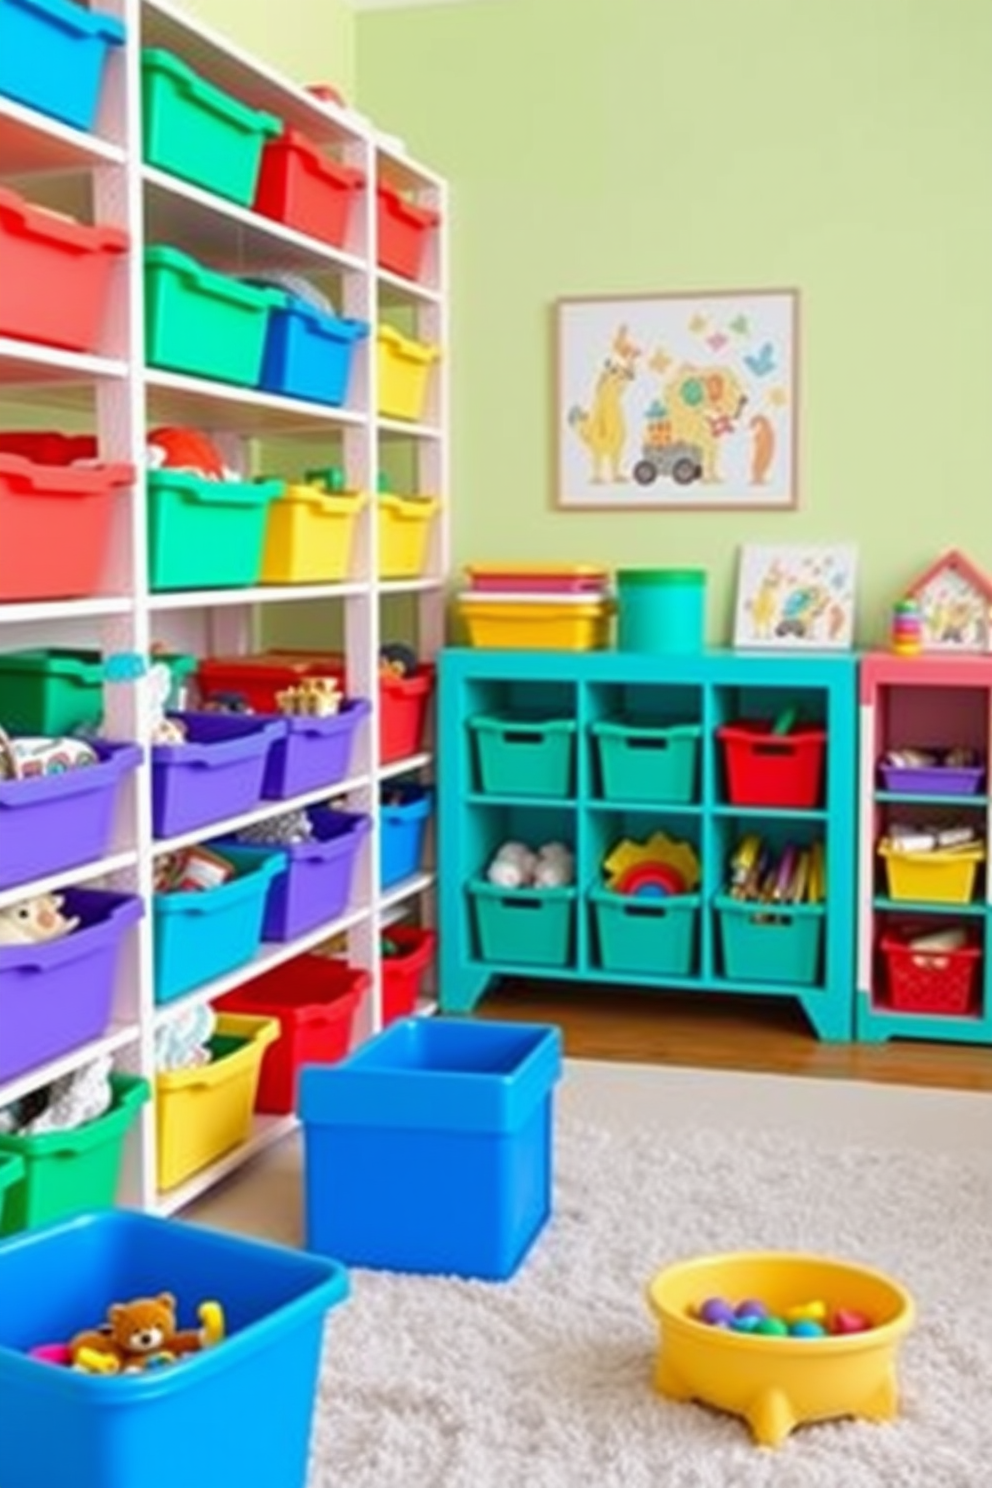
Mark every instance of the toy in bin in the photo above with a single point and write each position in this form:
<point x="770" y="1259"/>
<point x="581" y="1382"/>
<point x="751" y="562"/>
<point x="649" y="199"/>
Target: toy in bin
<point x="761" y="874"/>
<point x="517" y="866"/>
<point x="137" y="1337"/>
<point x="654" y="869"/>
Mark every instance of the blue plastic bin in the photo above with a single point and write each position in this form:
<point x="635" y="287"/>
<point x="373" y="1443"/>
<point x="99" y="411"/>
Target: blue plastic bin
<point x="309" y="354"/>
<point x="430" y="1149"/>
<point x="206" y="933"/>
<point x="217" y="773"/>
<point x="403" y="815"/>
<point x="240" y="1413"/>
<point x="771" y="943"/>
<point x="52" y="57"/>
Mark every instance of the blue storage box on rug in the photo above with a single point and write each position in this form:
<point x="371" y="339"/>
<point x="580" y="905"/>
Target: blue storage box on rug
<point x="430" y="1149"/>
<point x="239" y="1413"/>
<point x="403" y="814"/>
<point x="53" y="55"/>
<point x="308" y="354"/>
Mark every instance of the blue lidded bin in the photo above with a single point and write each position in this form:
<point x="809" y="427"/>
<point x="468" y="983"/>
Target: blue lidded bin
<point x="243" y="1409"/>
<point x="430" y="1149"/>
<point x="308" y="354"/>
<point x="661" y="611"/>
<point x="53" y="55"/>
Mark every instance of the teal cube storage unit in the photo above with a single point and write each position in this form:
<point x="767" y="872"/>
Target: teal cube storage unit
<point x="524" y="927"/>
<point x="204" y="323"/>
<point x="197" y="131"/>
<point x="640" y="763"/>
<point x="649" y="732"/>
<point x="771" y="942"/>
<point x="430" y="1149"/>
<point x="54" y="56"/>
<point x="247" y="1404"/>
<point x="524" y="756"/>
<point x="650" y="937"/>
<point x="206" y="933"/>
<point x="206" y="534"/>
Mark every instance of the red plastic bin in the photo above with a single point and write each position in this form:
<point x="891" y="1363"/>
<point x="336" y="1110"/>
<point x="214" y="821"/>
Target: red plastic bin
<point x="48" y="448"/>
<point x="404" y="231"/>
<point x="315" y="1000"/>
<point x="55" y="522"/>
<point x="403" y="974"/>
<point x="404" y="703"/>
<point x="765" y="769"/>
<point x="55" y="275"/>
<point x="940" y="982"/>
<point x="302" y="187"/>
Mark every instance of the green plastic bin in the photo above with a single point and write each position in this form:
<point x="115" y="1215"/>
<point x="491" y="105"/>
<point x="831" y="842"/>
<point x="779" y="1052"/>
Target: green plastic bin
<point x="202" y="322"/>
<point x="647" y="936"/>
<point x="525" y="756"/>
<point x="206" y="534"/>
<point x="71" y="1172"/>
<point x="11" y="1174"/>
<point x="771" y="942"/>
<point x="55" y="691"/>
<point x="654" y="764"/>
<point x="195" y="130"/>
<point x="524" y="927"/>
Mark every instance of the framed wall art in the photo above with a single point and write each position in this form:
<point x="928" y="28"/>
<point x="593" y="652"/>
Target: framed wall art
<point x="677" y="402"/>
<point x="796" y="598"/>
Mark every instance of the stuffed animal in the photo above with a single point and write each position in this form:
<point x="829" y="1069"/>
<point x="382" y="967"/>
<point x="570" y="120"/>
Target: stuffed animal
<point x="555" y="867"/>
<point x="35" y="920"/>
<point x="513" y="866"/>
<point x="142" y="1335"/>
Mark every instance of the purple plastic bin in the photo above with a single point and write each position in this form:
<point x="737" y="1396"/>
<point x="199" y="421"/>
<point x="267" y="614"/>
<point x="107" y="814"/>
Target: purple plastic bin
<point x="53" y="822"/>
<point x="932" y="781"/>
<point x="316" y="887"/>
<point x="217" y="773"/>
<point x="60" y="994"/>
<point x="315" y="752"/>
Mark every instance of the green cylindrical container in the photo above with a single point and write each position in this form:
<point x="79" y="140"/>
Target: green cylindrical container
<point x="661" y="610"/>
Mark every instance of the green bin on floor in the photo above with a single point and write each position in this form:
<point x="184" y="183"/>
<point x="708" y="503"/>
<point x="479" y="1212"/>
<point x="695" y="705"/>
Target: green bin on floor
<point x="656" y="764"/>
<point x="72" y="1172"/>
<point x="54" y="690"/>
<point x="195" y="130"/>
<point x="525" y="756"/>
<point x="11" y="1174"/>
<point x="777" y="943"/>
<point x="204" y="323"/>
<point x="206" y="534"/>
<point x="646" y="936"/>
<point x="524" y="927"/>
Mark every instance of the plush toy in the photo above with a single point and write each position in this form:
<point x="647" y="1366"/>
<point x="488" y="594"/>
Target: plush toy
<point x="513" y="866"/>
<point x="142" y="1335"/>
<point x="555" y="867"/>
<point x="35" y="920"/>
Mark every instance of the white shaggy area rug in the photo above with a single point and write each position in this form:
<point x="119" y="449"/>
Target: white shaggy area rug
<point x="545" y="1381"/>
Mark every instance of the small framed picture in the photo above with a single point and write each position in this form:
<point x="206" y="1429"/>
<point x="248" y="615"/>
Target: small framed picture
<point x="796" y="598"/>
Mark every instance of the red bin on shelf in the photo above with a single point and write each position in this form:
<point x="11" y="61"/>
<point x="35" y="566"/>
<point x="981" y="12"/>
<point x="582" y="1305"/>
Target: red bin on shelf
<point x="404" y="702"/>
<point x="55" y="527"/>
<point x="305" y="189"/>
<point x="315" y="999"/>
<point x="404" y="230"/>
<point x="766" y="769"/>
<point x="403" y="973"/>
<point x="56" y="273"/>
<point x="926" y="981"/>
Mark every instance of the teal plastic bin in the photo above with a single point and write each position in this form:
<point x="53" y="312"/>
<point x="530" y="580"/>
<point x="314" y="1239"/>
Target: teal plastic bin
<point x="652" y="764"/>
<point x="202" y="322"/>
<point x="524" y="927"/>
<point x="12" y="1172"/>
<point x="646" y="936"/>
<point x="771" y="942"/>
<point x="206" y="534"/>
<point x="525" y="756"/>
<point x="661" y="610"/>
<point x="57" y="690"/>
<point x="195" y="130"/>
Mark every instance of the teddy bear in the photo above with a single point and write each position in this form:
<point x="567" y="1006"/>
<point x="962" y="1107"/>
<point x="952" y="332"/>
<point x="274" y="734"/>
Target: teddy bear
<point x="142" y="1335"/>
<point x="35" y="920"/>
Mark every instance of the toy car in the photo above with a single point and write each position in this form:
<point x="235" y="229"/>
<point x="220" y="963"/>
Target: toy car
<point x="680" y="461"/>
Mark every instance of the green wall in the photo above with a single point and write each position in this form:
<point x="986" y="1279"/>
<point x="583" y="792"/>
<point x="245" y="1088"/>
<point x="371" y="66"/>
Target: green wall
<point x="841" y="146"/>
<point x="309" y="40"/>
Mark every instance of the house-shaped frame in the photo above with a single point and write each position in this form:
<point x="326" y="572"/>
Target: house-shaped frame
<point x="955" y="602"/>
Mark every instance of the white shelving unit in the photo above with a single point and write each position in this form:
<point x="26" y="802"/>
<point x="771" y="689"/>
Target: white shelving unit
<point x="116" y="396"/>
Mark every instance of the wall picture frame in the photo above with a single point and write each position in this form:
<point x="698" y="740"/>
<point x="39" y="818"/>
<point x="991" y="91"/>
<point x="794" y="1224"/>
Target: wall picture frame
<point x="796" y="598"/>
<point x="677" y="401"/>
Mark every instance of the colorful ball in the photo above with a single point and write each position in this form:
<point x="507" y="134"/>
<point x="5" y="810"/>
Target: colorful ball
<point x="807" y="1311"/>
<point x="846" y="1320"/>
<point x="716" y="1310"/>
<point x="807" y="1328"/>
<point x="771" y="1327"/>
<point x="751" y="1308"/>
<point x="748" y="1324"/>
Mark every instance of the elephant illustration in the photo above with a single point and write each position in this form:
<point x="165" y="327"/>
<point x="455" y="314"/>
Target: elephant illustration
<point x="704" y="404"/>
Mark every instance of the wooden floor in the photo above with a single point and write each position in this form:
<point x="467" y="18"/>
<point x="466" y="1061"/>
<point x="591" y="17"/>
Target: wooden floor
<point x="770" y="1036"/>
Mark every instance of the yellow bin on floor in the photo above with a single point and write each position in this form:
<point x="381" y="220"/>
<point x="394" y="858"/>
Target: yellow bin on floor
<point x="404" y="372"/>
<point x="310" y="535"/>
<point x="522" y="625"/>
<point x="202" y="1113"/>
<point x="946" y="877"/>
<point x="404" y="528"/>
<point x="778" y="1383"/>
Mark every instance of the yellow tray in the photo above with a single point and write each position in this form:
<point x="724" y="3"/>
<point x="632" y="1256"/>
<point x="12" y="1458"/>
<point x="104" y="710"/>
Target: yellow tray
<point x="310" y="535"/>
<point x="522" y="626"/>
<point x="933" y="877"/>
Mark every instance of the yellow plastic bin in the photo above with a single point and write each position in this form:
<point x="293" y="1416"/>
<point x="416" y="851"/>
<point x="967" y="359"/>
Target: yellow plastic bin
<point x="404" y="529"/>
<point x="202" y="1113"/>
<point x="310" y="535"/>
<point x="522" y="625"/>
<point x="946" y="877"/>
<point x="404" y="372"/>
